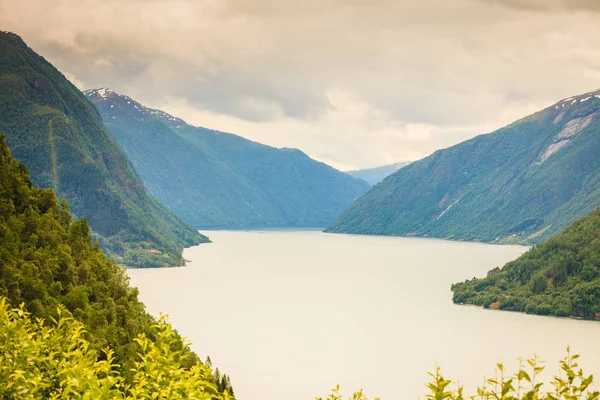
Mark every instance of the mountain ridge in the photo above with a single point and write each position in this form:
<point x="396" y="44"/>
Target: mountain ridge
<point x="376" y="174"/>
<point x="52" y="127"/>
<point x="215" y="179"/>
<point x="519" y="184"/>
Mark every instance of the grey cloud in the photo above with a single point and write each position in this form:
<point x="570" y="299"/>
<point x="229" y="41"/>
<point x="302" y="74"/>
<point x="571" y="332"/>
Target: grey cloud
<point x="100" y="62"/>
<point x="383" y="64"/>
<point x="93" y="60"/>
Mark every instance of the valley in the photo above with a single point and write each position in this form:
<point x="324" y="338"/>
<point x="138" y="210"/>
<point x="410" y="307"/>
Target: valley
<point x="277" y="200"/>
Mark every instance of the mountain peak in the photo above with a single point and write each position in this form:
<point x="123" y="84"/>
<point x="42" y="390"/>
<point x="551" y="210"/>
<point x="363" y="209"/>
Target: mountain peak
<point x="58" y="134"/>
<point x="375" y="175"/>
<point x="13" y="39"/>
<point x="582" y="99"/>
<point x="519" y="184"/>
<point x="102" y="92"/>
<point x="126" y="104"/>
<point x="10" y="35"/>
<point x="220" y="180"/>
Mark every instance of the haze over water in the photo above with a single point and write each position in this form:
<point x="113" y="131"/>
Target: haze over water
<point x="290" y="314"/>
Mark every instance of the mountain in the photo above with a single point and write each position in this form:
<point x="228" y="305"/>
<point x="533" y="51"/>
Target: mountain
<point x="214" y="179"/>
<point x="520" y="184"/>
<point x="47" y="261"/>
<point x="52" y="128"/>
<point x="559" y="277"/>
<point x="375" y="175"/>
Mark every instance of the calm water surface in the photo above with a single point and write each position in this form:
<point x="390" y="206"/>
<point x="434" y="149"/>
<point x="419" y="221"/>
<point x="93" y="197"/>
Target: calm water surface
<point x="290" y="314"/>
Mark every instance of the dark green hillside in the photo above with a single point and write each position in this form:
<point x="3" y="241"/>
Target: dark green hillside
<point x="520" y="184"/>
<point x="47" y="259"/>
<point x="559" y="277"/>
<point x="215" y="179"/>
<point x="58" y="134"/>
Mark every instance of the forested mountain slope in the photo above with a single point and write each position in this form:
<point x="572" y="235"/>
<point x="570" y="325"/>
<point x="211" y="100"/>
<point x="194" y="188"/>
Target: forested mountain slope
<point x="521" y="184"/>
<point x="559" y="277"/>
<point x="214" y="179"/>
<point x="53" y="129"/>
<point x="47" y="260"/>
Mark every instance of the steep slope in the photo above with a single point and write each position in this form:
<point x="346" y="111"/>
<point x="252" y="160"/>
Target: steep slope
<point x="47" y="260"/>
<point x="375" y="175"/>
<point x="58" y="134"/>
<point x="559" y="277"/>
<point x="215" y="179"/>
<point x="522" y="183"/>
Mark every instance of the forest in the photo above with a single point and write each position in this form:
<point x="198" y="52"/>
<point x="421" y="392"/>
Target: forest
<point x="52" y="128"/>
<point x="559" y="277"/>
<point x="71" y="296"/>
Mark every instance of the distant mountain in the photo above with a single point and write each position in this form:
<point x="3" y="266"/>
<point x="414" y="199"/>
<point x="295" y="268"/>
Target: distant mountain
<point x="559" y="277"/>
<point x="522" y="183"/>
<point x="375" y="175"/>
<point x="215" y="180"/>
<point x="52" y="128"/>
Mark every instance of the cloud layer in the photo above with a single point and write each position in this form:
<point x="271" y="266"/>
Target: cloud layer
<point x="355" y="83"/>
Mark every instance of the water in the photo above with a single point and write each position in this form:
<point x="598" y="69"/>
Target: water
<point x="290" y="314"/>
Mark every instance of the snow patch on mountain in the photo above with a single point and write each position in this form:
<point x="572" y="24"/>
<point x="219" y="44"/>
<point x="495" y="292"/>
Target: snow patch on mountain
<point x="133" y="106"/>
<point x="570" y="101"/>
<point x="570" y="130"/>
<point x="105" y="93"/>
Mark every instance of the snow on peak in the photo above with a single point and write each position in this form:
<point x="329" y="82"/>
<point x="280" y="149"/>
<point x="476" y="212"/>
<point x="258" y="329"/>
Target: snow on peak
<point x="570" y="101"/>
<point x="163" y="115"/>
<point x="105" y="92"/>
<point x="133" y="106"/>
<point x="102" y="92"/>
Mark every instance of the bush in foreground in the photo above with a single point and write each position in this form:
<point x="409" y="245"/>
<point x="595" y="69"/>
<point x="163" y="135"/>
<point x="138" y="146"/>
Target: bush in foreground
<point x="51" y="360"/>
<point x="571" y="384"/>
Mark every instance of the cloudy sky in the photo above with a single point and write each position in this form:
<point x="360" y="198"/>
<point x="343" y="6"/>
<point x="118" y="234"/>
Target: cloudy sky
<point x="355" y="83"/>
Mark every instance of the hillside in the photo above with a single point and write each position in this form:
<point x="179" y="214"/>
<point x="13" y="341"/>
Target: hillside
<point x="375" y="175"/>
<point x="214" y="179"/>
<point x="559" y="277"/>
<point x="48" y="260"/>
<point x="53" y="129"/>
<point x="521" y="184"/>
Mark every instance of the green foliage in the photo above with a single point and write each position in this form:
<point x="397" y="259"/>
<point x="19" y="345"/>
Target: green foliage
<point x="46" y="259"/>
<point x="214" y="179"/>
<point x="560" y="277"/>
<point x="570" y="384"/>
<point x="58" y="134"/>
<point x="335" y="395"/>
<point x="497" y="187"/>
<point x="41" y="360"/>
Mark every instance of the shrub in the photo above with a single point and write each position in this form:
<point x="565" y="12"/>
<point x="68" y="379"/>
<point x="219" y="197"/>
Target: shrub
<point x="523" y="385"/>
<point x="51" y="360"/>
